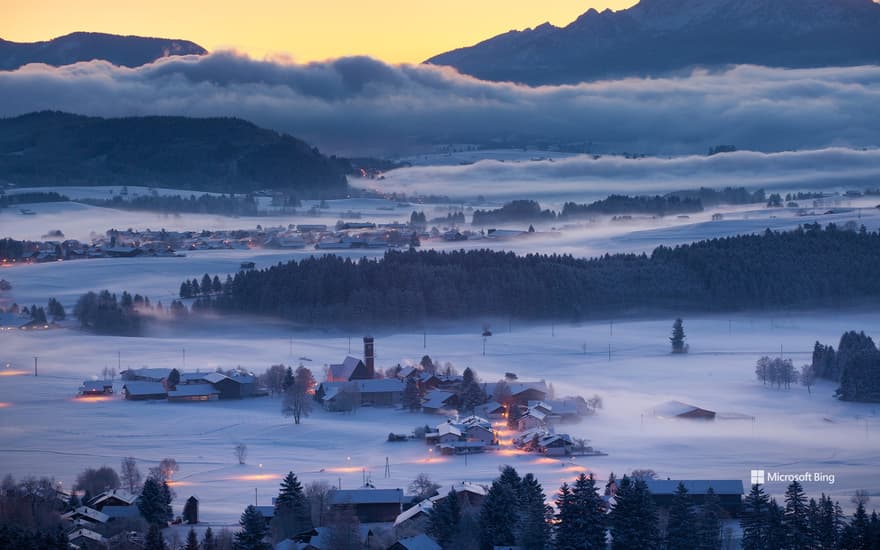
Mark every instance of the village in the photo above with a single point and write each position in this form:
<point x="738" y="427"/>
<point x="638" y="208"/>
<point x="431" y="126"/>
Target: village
<point x="507" y="417"/>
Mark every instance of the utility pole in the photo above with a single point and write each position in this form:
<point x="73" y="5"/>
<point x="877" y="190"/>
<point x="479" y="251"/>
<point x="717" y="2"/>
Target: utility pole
<point x="255" y="497"/>
<point x="349" y="345"/>
<point x="184" y="358"/>
<point x="387" y="468"/>
<point x="35" y="365"/>
<point x="118" y="361"/>
<point x="609" y="352"/>
<point x="424" y="339"/>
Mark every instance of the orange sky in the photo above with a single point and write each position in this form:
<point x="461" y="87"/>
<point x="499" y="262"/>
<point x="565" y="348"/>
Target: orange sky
<point x="307" y="30"/>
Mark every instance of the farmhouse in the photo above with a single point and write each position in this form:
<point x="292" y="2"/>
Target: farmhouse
<point x="342" y="396"/>
<point x="142" y="391"/>
<point x="95" y="387"/>
<point x="85" y="516"/>
<point x="418" y="542"/>
<point x="113" y="497"/>
<point x="440" y="402"/>
<point x="86" y="539"/>
<point x="521" y="392"/>
<point x="677" y="409"/>
<point x="193" y="392"/>
<point x="369" y="505"/>
<point x="234" y="387"/>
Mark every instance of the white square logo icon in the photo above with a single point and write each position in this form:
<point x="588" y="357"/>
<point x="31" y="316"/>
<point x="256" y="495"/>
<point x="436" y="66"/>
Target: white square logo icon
<point x="757" y="477"/>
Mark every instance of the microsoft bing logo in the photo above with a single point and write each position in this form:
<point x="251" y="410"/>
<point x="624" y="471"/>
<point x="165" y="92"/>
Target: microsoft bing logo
<point x="757" y="477"/>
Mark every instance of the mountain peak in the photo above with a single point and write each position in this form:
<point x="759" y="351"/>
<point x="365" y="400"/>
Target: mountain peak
<point x="657" y="37"/>
<point x="126" y="51"/>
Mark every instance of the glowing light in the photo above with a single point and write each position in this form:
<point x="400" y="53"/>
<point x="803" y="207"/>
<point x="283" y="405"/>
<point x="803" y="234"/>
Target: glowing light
<point x="13" y="372"/>
<point x="511" y="452"/>
<point x="344" y="470"/>
<point x="545" y="460"/>
<point x="92" y="398"/>
<point x="256" y="477"/>
<point x="575" y="469"/>
<point x="180" y="483"/>
<point x="4" y="404"/>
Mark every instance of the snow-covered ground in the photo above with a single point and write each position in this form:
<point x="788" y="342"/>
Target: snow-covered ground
<point x="45" y="431"/>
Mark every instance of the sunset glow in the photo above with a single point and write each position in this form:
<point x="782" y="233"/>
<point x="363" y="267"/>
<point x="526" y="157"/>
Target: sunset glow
<point x="391" y="30"/>
<point x="256" y="477"/>
<point x="13" y="372"/>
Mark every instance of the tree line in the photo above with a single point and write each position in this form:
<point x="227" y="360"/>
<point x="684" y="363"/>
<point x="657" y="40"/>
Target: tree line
<point x="855" y="365"/>
<point x="811" y="266"/>
<point x="226" y="205"/>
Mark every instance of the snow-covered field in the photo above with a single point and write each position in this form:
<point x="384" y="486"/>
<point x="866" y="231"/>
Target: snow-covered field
<point x="44" y="431"/>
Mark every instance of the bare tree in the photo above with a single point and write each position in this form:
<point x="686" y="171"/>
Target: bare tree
<point x="808" y="377"/>
<point x="165" y="470"/>
<point x="241" y="453"/>
<point x="643" y="474"/>
<point x="131" y="475"/>
<point x="273" y="379"/>
<point x="861" y="496"/>
<point x="316" y="494"/>
<point x="423" y="487"/>
<point x="298" y="398"/>
<point x="97" y="481"/>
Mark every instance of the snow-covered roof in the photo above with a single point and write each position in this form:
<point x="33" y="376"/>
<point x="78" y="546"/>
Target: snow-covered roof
<point x="118" y="494"/>
<point x="421" y="507"/>
<point x="406" y="371"/>
<point x="436" y="399"/>
<point x="696" y="486"/>
<point x="365" y="496"/>
<point x="95" y="385"/>
<point x="491" y="407"/>
<point x="83" y="533"/>
<point x="535" y="413"/>
<point x="215" y="377"/>
<point x="671" y="409"/>
<point x="419" y="542"/>
<point x="192" y="376"/>
<point x="344" y="370"/>
<point x="517" y="388"/>
<point x="447" y="428"/>
<point x="474" y="421"/>
<point x="86" y="513"/>
<point x="155" y="374"/>
<point x="191" y="390"/>
<point x="142" y="387"/>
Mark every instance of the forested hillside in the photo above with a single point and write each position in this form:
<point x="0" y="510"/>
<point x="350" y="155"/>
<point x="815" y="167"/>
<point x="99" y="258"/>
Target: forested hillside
<point x="212" y="154"/>
<point x="808" y="267"/>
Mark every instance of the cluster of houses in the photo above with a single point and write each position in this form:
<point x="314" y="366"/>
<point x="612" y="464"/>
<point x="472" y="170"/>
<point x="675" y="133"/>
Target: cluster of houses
<point x="88" y="522"/>
<point x="526" y="408"/>
<point x="146" y="384"/>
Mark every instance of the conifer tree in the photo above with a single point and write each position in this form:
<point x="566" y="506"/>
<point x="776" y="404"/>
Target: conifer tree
<point x="633" y="518"/>
<point x="680" y="532"/>
<point x="709" y="522"/>
<point x="498" y="517"/>
<point x="795" y="517"/>
<point x="253" y="531"/>
<point x="775" y="536"/>
<point x="153" y="503"/>
<point x="192" y="542"/>
<point x="208" y="540"/>
<point x="292" y="511"/>
<point x="412" y="398"/>
<point x="581" y="518"/>
<point x="678" y="337"/>
<point x="754" y="518"/>
<point x="154" y="539"/>
<point x="443" y="520"/>
<point x="534" y="532"/>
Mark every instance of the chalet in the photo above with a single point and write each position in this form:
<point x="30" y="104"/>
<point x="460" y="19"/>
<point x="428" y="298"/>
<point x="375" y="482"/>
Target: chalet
<point x="84" y="538"/>
<point x="86" y="516"/>
<point x="533" y="418"/>
<point x="415" y="518"/>
<point x="95" y="387"/>
<point x="492" y="410"/>
<point x="193" y="392"/>
<point x="428" y="380"/>
<point x="521" y="392"/>
<point x="729" y="492"/>
<point x="677" y="409"/>
<point x="440" y="402"/>
<point x="113" y="497"/>
<point x="143" y="391"/>
<point x="418" y="542"/>
<point x="145" y="374"/>
<point x="569" y="409"/>
<point x="555" y="445"/>
<point x="350" y="369"/>
<point x="341" y="396"/>
<point x="237" y="386"/>
<point x="369" y="505"/>
<point x="475" y="428"/>
<point x="448" y="433"/>
<point x="469" y="495"/>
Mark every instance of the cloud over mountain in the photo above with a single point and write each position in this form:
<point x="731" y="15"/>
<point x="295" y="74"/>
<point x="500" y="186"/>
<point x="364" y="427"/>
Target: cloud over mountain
<point x="361" y="105"/>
